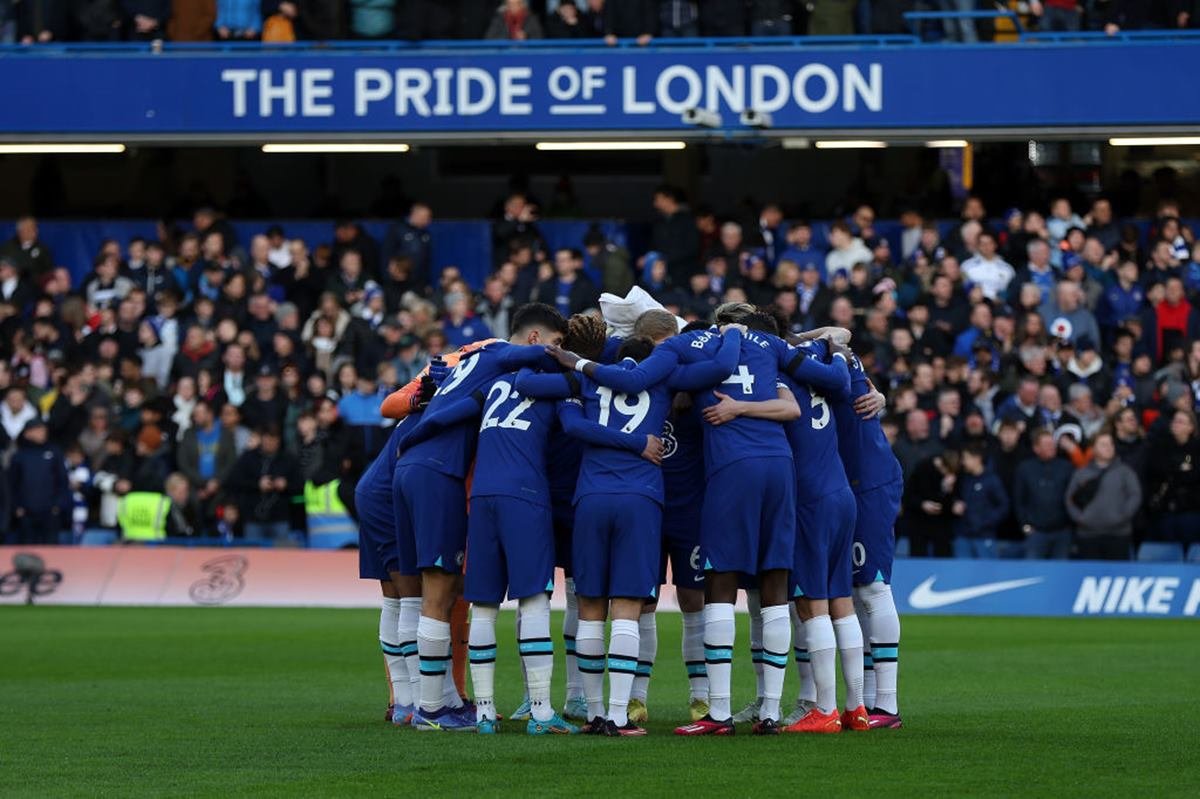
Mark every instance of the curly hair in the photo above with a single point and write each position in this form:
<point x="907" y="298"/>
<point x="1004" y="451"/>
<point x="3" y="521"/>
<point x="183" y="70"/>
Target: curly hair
<point x="586" y="335"/>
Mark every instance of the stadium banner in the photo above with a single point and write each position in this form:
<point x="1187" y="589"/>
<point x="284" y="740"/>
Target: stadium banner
<point x="549" y="89"/>
<point x="178" y="576"/>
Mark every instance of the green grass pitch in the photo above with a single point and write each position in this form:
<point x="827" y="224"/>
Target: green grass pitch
<point x="224" y="702"/>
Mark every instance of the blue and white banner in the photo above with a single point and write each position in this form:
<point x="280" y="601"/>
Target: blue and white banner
<point x="548" y="89"/>
<point x="1046" y="588"/>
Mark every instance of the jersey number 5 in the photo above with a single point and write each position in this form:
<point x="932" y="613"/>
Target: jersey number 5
<point x="636" y="411"/>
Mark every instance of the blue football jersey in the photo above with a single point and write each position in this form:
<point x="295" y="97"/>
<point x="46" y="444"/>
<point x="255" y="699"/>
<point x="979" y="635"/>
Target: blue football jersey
<point x="606" y="470"/>
<point x="683" y="461"/>
<point x="866" y="455"/>
<point x="814" y="442"/>
<point x="510" y="458"/>
<point x="687" y="362"/>
<point x="753" y="380"/>
<point x="452" y="449"/>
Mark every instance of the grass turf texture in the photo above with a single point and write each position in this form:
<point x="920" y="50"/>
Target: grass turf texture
<point x="224" y="702"/>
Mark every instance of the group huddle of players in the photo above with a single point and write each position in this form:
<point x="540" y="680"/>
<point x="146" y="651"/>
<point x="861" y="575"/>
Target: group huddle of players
<point x="744" y="461"/>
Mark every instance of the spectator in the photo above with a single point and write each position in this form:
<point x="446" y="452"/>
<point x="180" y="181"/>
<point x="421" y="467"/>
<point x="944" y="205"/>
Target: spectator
<point x="372" y="19"/>
<point x="569" y="291"/>
<point x="494" y="310"/>
<point x="1173" y="481"/>
<point x="916" y="445"/>
<point x="988" y="270"/>
<point x="981" y="506"/>
<point x="514" y="21"/>
<point x="266" y="406"/>
<point x="831" y="18"/>
<point x="1176" y="320"/>
<point x="146" y="19"/>
<point x="183" y="519"/>
<point x="360" y="407"/>
<point x="678" y="19"/>
<point x="237" y="19"/>
<point x="410" y="238"/>
<point x="929" y="497"/>
<point x="610" y="260"/>
<point x="518" y="222"/>
<point x="722" y="18"/>
<point x="207" y="452"/>
<point x="42" y="21"/>
<point x="770" y="18"/>
<point x="1057" y="15"/>
<point x="31" y="256"/>
<point x="847" y="250"/>
<point x="1102" y="499"/>
<point x="1039" y="490"/>
<point x="801" y="251"/>
<point x="629" y="19"/>
<point x="264" y="480"/>
<point x="14" y="289"/>
<point x="39" y="488"/>
<point x="1067" y="319"/>
<point x="566" y="22"/>
<point x="16" y="412"/>
<point x="674" y="235"/>
<point x="460" y="324"/>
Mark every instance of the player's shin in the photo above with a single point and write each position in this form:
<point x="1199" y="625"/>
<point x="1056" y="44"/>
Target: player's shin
<point x="433" y="648"/>
<point x="406" y="633"/>
<point x="647" y="651"/>
<point x="482" y="653"/>
<point x="808" y="689"/>
<point x="570" y="631"/>
<point x="860" y="610"/>
<point x="589" y="646"/>
<point x="822" y="652"/>
<point x="622" y="665"/>
<point x="884" y="625"/>
<point x="777" y="633"/>
<point x="850" y="646"/>
<point x="719" y="634"/>
<point x="693" y="654"/>
<point x="393" y="653"/>
<point x="537" y="653"/>
<point x="754" y="606"/>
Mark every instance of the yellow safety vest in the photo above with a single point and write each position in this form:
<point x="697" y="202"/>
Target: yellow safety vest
<point x="143" y="516"/>
<point x="323" y="500"/>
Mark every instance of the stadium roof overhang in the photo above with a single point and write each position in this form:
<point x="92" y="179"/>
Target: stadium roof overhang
<point x="751" y="92"/>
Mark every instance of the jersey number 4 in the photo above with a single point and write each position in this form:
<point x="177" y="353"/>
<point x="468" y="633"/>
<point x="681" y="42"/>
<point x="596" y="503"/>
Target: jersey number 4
<point x="741" y="377"/>
<point x="500" y="392"/>
<point x="636" y="411"/>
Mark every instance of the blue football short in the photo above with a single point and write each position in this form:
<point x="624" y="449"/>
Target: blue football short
<point x="875" y="533"/>
<point x="377" y="553"/>
<point x="748" y="523"/>
<point x="824" y="536"/>
<point x="510" y="550"/>
<point x="617" y="545"/>
<point x="431" y="519"/>
<point x="681" y="546"/>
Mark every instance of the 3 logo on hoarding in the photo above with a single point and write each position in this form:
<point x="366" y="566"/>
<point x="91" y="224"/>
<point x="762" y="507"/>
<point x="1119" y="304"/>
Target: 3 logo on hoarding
<point x="224" y="580"/>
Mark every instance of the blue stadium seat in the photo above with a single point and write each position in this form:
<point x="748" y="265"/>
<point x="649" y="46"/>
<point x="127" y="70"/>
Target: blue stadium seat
<point x="1193" y="553"/>
<point x="902" y="547"/>
<point x="1160" y="552"/>
<point x="98" y="538"/>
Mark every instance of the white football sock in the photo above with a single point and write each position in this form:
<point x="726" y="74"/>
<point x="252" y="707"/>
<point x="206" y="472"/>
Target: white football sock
<point x="410" y="613"/>
<point x="808" y="688"/>
<point x="537" y="653"/>
<point x="433" y="645"/>
<point x="777" y="637"/>
<point x="570" y="630"/>
<point x="693" y="654"/>
<point x="622" y="667"/>
<point x="822" y="652"/>
<point x="754" y="605"/>
<point x="482" y="649"/>
<point x="647" y="651"/>
<point x="884" y="626"/>
<point x="850" y="645"/>
<point x="393" y="654"/>
<point x="589" y="646"/>
<point x="719" y="637"/>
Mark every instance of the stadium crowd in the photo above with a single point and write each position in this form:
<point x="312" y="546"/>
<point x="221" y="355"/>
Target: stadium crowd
<point x="1042" y="369"/>
<point x="45" y="21"/>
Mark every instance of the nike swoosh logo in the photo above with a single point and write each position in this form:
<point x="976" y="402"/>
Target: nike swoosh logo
<point x="699" y="579"/>
<point x="925" y="597"/>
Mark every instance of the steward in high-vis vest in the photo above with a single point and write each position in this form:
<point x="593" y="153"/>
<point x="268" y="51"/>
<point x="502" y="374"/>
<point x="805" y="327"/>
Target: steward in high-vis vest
<point x="142" y="516"/>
